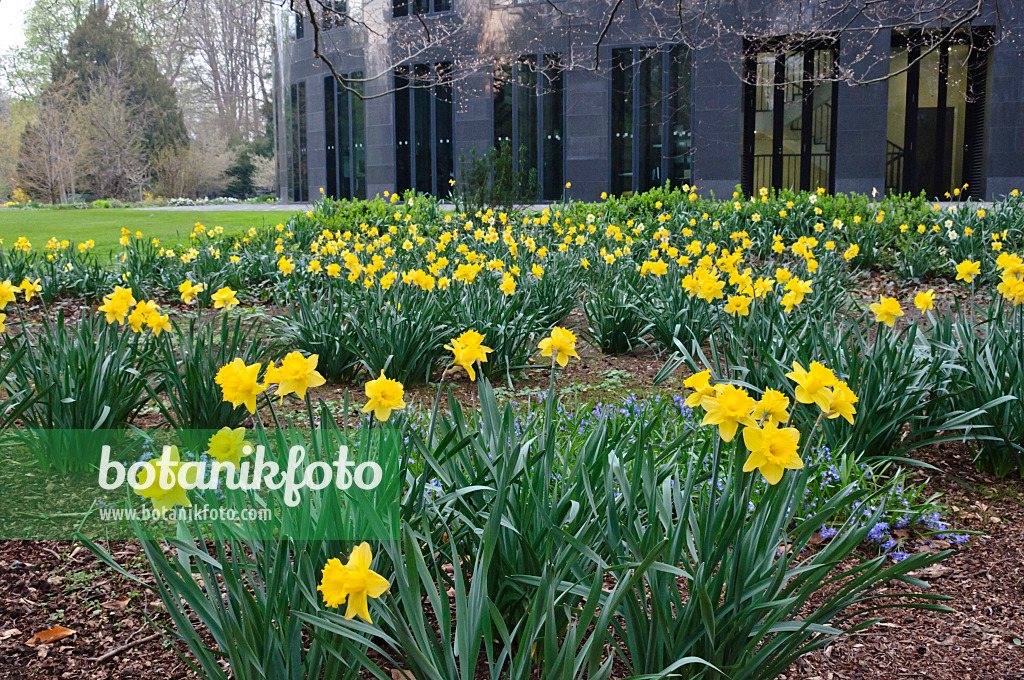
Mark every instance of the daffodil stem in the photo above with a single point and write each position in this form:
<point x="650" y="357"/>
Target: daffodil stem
<point x="549" y="407"/>
<point x="433" y="412"/>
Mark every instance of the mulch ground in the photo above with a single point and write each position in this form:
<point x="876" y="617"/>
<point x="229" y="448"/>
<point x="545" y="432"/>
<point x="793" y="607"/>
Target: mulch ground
<point x="984" y="637"/>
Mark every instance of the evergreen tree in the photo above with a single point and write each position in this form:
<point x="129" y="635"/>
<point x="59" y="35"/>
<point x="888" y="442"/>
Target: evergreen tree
<point x="101" y="43"/>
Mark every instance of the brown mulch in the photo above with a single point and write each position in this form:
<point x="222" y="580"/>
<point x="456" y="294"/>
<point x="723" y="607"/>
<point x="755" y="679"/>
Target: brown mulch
<point x="46" y="584"/>
<point x="984" y="637"/>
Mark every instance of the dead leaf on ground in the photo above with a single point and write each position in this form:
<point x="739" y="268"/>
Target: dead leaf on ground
<point x="48" y="636"/>
<point x="9" y="633"/>
<point x="933" y="571"/>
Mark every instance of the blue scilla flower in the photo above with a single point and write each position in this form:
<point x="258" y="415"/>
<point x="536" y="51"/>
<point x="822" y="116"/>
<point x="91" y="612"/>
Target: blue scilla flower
<point x="898" y="556"/>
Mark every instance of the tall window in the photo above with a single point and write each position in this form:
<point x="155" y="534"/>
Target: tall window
<point x="790" y="116"/>
<point x="402" y="8"/>
<point x="345" y="136"/>
<point x="529" y="114"/>
<point x="650" y="121"/>
<point x="298" y="179"/>
<point x="424" y="113"/>
<point x="333" y="13"/>
<point x="935" y="132"/>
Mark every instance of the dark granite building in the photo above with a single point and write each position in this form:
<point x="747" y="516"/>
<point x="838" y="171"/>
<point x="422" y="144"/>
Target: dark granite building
<point x="760" y="94"/>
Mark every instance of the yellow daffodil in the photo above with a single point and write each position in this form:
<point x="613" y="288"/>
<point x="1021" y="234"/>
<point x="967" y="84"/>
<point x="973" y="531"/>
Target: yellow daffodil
<point x="886" y="310"/>
<point x="116" y="305"/>
<point x="296" y="375"/>
<point x="701" y="385"/>
<point x="773" y="450"/>
<point x="353" y="581"/>
<point x="560" y="345"/>
<point x="772" y="406"/>
<point x="224" y="297"/>
<point x="728" y="408"/>
<point x="229" y="446"/>
<point x="149" y="485"/>
<point x="925" y="300"/>
<point x="841" y="403"/>
<point x="467" y="350"/>
<point x="738" y="305"/>
<point x="240" y="384"/>
<point x="30" y="288"/>
<point x="967" y="270"/>
<point x="190" y="290"/>
<point x="384" y="396"/>
<point x="812" y="386"/>
<point x="7" y="293"/>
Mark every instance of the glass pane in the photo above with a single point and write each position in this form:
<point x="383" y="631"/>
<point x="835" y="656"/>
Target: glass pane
<point x="554" y="113"/>
<point x="622" y="121"/>
<point x="344" y="145"/>
<point x="956" y="110"/>
<point x="330" y="148"/>
<point x="649" y="142"/>
<point x="422" y="138"/>
<point x="403" y="126"/>
<point x="926" y="153"/>
<point x="679" y="88"/>
<point x="303" y="175"/>
<point x="895" y="135"/>
<point x="503" y="102"/>
<point x="764" y="119"/>
<point x="444" y="103"/>
<point x="358" y="137"/>
<point x="293" y="146"/>
<point x="400" y="8"/>
<point x="792" y="119"/>
<point x="526" y="142"/>
<point x="821" y="118"/>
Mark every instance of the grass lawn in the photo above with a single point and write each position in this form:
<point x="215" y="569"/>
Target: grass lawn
<point x="104" y="225"/>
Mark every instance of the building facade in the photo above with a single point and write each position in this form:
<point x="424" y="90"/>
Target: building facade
<point x="621" y="106"/>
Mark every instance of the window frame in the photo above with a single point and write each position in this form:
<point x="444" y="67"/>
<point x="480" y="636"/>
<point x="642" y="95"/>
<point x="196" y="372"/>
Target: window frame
<point x="548" y="68"/>
<point x="807" y="48"/>
<point x="353" y="141"/>
<point x="979" y="40"/>
<point x="408" y="8"/>
<point x="668" y="105"/>
<point x="441" y="149"/>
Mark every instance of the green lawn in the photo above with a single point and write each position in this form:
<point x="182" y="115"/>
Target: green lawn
<point x="104" y="225"/>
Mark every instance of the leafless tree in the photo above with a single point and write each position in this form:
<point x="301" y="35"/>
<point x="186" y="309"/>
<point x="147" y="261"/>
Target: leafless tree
<point x="227" y="63"/>
<point x="51" y="155"/>
<point x="116" y="127"/>
<point x="479" y="32"/>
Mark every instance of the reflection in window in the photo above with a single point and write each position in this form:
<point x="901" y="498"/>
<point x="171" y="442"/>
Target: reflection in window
<point x="650" y="117"/>
<point x="789" y="114"/>
<point x="344" y="132"/>
<point x="529" y="113"/>
<point x="402" y="8"/>
<point x="935" y="132"/>
<point x="335" y="13"/>
<point x="298" y="182"/>
<point x="424" y="117"/>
